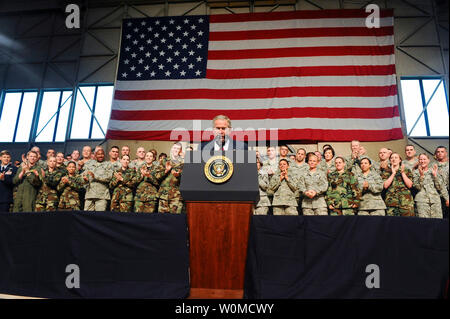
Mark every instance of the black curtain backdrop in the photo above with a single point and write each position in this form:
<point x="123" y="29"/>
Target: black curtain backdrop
<point x="119" y="255"/>
<point x="326" y="257"/>
<point x="127" y="255"/>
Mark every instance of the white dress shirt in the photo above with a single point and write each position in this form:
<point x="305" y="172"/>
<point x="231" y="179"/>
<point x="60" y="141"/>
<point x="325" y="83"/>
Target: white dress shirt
<point x="217" y="147"/>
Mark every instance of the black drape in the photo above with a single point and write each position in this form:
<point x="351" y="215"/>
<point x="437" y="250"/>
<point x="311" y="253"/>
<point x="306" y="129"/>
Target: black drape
<point x="326" y="257"/>
<point x="119" y="255"/>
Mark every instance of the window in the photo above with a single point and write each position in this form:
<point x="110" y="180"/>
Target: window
<point x="46" y="115"/>
<point x="16" y="117"/>
<point x="53" y="116"/>
<point x="426" y="107"/>
<point x="92" y="111"/>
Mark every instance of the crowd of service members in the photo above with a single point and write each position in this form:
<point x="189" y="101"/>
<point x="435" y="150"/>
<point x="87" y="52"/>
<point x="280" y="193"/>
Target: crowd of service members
<point x="90" y="182"/>
<point x="328" y="184"/>
<point x="305" y="183"/>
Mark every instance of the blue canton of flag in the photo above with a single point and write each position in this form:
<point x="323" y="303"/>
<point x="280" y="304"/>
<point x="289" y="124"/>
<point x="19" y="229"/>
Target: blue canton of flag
<point x="164" y="48"/>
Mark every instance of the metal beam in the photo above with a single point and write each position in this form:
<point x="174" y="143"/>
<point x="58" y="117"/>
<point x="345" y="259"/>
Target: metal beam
<point x="193" y="8"/>
<point x="100" y="41"/>
<point x="416" y="7"/>
<point x="60" y="73"/>
<point x="97" y="69"/>
<point x="65" y="49"/>
<point x="33" y="27"/>
<point x="436" y="25"/>
<point x="104" y="16"/>
<point x="417" y="60"/>
<point x="314" y="4"/>
<point x="140" y="11"/>
<point x="415" y="31"/>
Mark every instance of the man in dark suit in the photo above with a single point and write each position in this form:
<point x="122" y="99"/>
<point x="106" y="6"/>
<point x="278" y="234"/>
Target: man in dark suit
<point x="222" y="140"/>
<point x="7" y="172"/>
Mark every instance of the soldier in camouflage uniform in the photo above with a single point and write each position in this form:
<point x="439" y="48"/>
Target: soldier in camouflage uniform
<point x="140" y="160"/>
<point x="383" y="162"/>
<point x="441" y="156"/>
<point x="328" y="164"/>
<point x="70" y="187"/>
<point x="283" y="185"/>
<point x="353" y="160"/>
<point x="428" y="185"/>
<point x="40" y="162"/>
<point x="343" y="194"/>
<point x="50" y="153"/>
<point x="99" y="174"/>
<point x="86" y="152"/>
<point x="262" y="207"/>
<point x="397" y="183"/>
<point x="47" y="198"/>
<point x="123" y="182"/>
<point x="60" y="162"/>
<point x="28" y="182"/>
<point x="271" y="164"/>
<point x="411" y="162"/>
<point x="313" y="186"/>
<point x="149" y="177"/>
<point x="284" y="151"/>
<point x="299" y="166"/>
<point x="125" y="150"/>
<point x="370" y="184"/>
<point x="114" y="158"/>
<point x="169" y="195"/>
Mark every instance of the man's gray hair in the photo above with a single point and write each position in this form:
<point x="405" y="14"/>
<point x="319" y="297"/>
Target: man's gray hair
<point x="222" y="117"/>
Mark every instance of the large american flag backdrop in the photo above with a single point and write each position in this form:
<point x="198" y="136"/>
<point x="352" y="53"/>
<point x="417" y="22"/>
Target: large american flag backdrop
<point x="311" y="75"/>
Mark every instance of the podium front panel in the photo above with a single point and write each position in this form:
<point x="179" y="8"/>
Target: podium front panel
<point x="242" y="186"/>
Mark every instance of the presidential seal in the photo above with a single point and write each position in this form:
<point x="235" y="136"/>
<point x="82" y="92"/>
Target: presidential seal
<point x="218" y="169"/>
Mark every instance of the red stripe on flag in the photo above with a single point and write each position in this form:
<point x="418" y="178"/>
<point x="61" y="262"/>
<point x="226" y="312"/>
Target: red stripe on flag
<point x="256" y="114"/>
<point x="267" y="93"/>
<point x="291" y="134"/>
<point x="301" y="71"/>
<point x="301" y="14"/>
<point x="300" y="52"/>
<point x="300" y="33"/>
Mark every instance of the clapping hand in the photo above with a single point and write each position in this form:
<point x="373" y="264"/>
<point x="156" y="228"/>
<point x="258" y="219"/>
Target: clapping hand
<point x="145" y="172"/>
<point x="310" y="194"/>
<point x="25" y="167"/>
<point x="394" y="170"/>
<point x="365" y="185"/>
<point x="168" y="166"/>
<point x="118" y="175"/>
<point x="421" y="171"/>
<point x="435" y="170"/>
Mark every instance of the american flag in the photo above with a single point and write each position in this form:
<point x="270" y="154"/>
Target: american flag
<point x="310" y="75"/>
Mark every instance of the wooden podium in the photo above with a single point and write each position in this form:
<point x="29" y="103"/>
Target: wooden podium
<point x="218" y="220"/>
